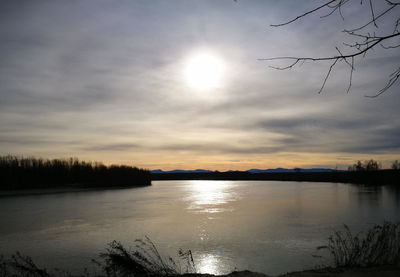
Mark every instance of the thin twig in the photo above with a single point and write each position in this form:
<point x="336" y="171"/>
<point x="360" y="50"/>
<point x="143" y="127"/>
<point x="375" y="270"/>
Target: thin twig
<point x="372" y="13"/>
<point x="304" y="14"/>
<point x="369" y="22"/>
<point x="393" y="79"/>
<point x="327" y="76"/>
<point x="351" y="74"/>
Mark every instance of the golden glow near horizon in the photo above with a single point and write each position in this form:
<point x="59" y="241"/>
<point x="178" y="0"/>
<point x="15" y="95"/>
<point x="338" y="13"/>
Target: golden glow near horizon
<point x="204" y="71"/>
<point x="223" y="162"/>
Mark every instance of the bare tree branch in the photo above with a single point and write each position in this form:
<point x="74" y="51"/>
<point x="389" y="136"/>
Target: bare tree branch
<point x="390" y="47"/>
<point x="375" y="40"/>
<point x="351" y="74"/>
<point x="372" y="13"/>
<point x="364" y="41"/>
<point x="336" y="7"/>
<point x="304" y="14"/>
<point x="393" y="79"/>
<point x="372" y="21"/>
<point x="327" y="76"/>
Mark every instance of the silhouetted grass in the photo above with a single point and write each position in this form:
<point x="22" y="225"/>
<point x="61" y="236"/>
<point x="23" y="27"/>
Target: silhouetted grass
<point x="143" y="260"/>
<point x="26" y="173"/>
<point x="378" y="246"/>
<point x="19" y="265"/>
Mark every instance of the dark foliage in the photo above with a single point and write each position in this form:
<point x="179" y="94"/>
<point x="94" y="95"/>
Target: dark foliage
<point x="365" y="166"/>
<point x="396" y="165"/>
<point x="379" y="246"/>
<point x="26" y="173"/>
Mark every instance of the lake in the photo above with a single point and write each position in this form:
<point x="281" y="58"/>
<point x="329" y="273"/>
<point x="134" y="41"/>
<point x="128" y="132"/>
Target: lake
<point x="265" y="226"/>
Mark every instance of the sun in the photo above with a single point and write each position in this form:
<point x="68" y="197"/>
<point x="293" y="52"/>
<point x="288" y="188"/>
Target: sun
<point x="204" y="71"/>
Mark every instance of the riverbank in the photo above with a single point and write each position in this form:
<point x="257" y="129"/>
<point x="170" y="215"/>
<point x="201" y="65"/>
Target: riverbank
<point x="381" y="271"/>
<point x="377" y="177"/>
<point x="60" y="189"/>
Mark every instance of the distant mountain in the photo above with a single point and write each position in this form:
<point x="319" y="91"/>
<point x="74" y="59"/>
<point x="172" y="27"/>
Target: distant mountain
<point x="285" y="170"/>
<point x="252" y="171"/>
<point x="157" y="171"/>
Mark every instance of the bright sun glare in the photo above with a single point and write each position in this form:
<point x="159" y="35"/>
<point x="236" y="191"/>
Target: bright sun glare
<point x="204" y="71"/>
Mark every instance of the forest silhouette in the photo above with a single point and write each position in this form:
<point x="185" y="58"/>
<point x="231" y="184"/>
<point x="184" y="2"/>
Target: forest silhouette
<point x="25" y="173"/>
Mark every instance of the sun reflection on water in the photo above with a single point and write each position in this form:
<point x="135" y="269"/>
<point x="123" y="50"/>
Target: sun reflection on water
<point x="209" y="201"/>
<point x="209" y="264"/>
<point x="210" y="196"/>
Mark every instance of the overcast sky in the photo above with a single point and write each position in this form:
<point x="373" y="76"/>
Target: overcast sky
<point x="105" y="80"/>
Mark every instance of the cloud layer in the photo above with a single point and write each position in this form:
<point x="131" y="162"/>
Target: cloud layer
<point x="104" y="81"/>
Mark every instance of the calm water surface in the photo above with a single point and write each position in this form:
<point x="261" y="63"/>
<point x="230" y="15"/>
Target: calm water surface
<point x="265" y="226"/>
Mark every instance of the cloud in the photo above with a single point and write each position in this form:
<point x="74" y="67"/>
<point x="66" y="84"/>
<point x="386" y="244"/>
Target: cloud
<point x="114" y="147"/>
<point x="219" y="148"/>
<point x="354" y="135"/>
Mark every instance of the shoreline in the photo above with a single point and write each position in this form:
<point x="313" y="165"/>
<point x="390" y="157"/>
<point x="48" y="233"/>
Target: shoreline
<point x="377" y="177"/>
<point x="377" y="271"/>
<point x="58" y="190"/>
<point x="214" y="176"/>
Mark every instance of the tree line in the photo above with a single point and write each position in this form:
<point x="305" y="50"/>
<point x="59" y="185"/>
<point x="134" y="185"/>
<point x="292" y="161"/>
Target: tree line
<point x="371" y="165"/>
<point x="30" y="172"/>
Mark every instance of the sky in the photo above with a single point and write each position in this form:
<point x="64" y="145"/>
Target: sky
<point x="107" y="81"/>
